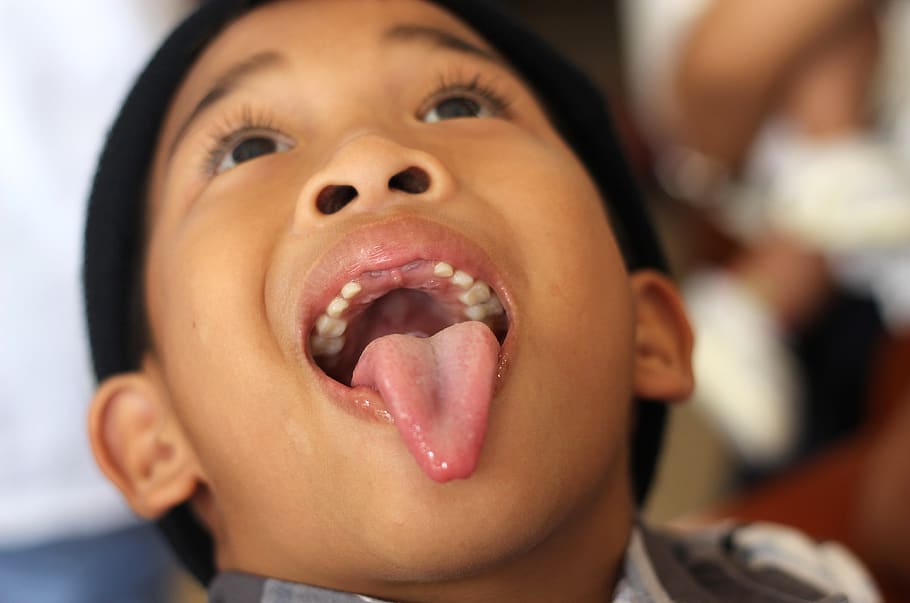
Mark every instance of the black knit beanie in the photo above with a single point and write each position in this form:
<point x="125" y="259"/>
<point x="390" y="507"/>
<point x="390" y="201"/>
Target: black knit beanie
<point x="114" y="237"/>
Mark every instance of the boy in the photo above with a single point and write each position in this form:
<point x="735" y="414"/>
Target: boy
<point x="377" y="335"/>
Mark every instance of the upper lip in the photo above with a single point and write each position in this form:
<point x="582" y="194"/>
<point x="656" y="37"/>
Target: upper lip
<point x="386" y="244"/>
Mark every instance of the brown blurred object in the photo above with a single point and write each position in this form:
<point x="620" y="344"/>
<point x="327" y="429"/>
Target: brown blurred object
<point x="885" y="486"/>
<point x="817" y="69"/>
<point x="856" y="492"/>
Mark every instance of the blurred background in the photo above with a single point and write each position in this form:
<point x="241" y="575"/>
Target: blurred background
<point x="773" y="139"/>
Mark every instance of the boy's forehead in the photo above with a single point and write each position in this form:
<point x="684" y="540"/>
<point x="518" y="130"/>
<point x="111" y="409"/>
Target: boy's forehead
<point x="276" y="34"/>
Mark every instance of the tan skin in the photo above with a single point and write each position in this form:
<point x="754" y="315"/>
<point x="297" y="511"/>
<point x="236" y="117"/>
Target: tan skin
<point x="226" y="411"/>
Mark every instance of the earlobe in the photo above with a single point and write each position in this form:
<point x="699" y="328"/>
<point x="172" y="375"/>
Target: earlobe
<point x="663" y="344"/>
<point x="139" y="446"/>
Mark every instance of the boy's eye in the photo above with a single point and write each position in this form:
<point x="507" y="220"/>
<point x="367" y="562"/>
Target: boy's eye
<point x="456" y="107"/>
<point x="465" y="98"/>
<point x="247" y="147"/>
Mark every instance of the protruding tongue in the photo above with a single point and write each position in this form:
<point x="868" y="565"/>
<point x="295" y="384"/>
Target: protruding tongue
<point x="438" y="390"/>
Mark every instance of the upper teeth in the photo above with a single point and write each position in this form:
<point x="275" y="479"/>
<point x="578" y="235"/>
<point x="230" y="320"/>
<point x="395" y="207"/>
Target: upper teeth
<point x="477" y="294"/>
<point x="462" y="279"/>
<point x="478" y="299"/>
<point x="337" y="307"/>
<point x="326" y="346"/>
<point x="351" y="290"/>
<point x="484" y="310"/>
<point x="330" y="327"/>
<point x="443" y="270"/>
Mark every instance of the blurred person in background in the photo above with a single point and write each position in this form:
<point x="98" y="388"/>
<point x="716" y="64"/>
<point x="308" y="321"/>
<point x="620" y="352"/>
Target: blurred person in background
<point x="65" y="535"/>
<point x="760" y="112"/>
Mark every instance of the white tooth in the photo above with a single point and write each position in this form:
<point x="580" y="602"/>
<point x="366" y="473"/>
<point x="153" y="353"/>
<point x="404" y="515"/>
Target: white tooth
<point x="478" y="312"/>
<point x="337" y="307"/>
<point x="326" y="346"/>
<point x="462" y="279"/>
<point x="327" y="326"/>
<point x="351" y="290"/>
<point x="443" y="270"/>
<point x="477" y="294"/>
<point x="494" y="306"/>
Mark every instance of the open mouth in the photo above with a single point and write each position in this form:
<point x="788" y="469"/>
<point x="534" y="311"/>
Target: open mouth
<point x="421" y="342"/>
<point x="420" y="299"/>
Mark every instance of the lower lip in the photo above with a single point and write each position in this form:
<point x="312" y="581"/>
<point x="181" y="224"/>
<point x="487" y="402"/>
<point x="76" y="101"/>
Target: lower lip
<point x="366" y="403"/>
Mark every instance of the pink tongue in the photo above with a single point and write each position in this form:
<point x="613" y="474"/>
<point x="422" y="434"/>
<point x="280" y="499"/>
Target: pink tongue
<point x="438" y="390"/>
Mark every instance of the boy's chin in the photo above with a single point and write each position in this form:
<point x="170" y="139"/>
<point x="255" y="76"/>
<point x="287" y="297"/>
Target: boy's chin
<point x="453" y="542"/>
<point x="467" y="528"/>
<point x="507" y="538"/>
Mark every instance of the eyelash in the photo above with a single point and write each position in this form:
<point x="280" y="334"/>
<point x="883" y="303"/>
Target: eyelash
<point x="477" y="86"/>
<point x="234" y="128"/>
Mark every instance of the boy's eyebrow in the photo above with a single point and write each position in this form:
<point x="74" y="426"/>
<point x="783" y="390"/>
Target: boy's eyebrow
<point x="438" y="37"/>
<point x="227" y="82"/>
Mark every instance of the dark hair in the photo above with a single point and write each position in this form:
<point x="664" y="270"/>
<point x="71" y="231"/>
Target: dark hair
<point x="114" y="235"/>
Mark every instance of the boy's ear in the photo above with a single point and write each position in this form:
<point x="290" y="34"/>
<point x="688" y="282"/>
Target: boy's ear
<point x="139" y="445"/>
<point x="663" y="342"/>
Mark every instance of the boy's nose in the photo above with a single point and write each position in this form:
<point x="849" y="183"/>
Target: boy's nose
<point x="370" y="172"/>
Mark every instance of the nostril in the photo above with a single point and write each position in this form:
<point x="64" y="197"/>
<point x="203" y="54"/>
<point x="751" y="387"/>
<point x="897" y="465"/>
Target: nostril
<point x="412" y="180"/>
<point x="334" y="197"/>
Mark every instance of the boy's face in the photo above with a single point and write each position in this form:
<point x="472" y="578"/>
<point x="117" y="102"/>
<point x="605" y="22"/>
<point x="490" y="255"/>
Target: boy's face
<point x="249" y="243"/>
